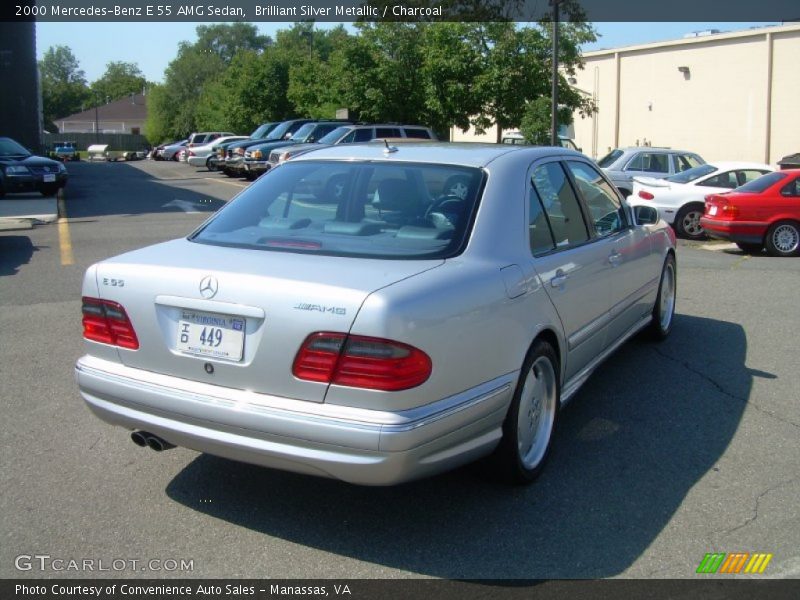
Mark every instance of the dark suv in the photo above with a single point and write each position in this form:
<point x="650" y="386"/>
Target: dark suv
<point x="234" y="159"/>
<point x="256" y="157"/>
<point x="21" y="171"/>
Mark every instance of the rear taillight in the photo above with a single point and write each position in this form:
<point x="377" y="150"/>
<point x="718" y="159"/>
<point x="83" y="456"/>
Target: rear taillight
<point x="645" y="195"/>
<point x="719" y="206"/>
<point x="107" y="322"/>
<point x="191" y="153"/>
<point x="362" y="362"/>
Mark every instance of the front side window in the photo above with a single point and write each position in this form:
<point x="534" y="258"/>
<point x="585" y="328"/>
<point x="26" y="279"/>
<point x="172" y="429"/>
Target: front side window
<point x="335" y="136"/>
<point x="561" y="206"/>
<point x="344" y="208"/>
<point x="749" y="175"/>
<point x="605" y="209"/>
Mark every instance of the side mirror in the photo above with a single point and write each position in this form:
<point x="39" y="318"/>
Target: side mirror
<point x="287" y="136"/>
<point x="645" y="215"/>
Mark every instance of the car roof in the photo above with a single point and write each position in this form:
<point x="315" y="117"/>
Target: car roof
<point x="738" y="164"/>
<point x="467" y="154"/>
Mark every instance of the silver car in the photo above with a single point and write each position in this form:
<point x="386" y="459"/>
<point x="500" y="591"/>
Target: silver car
<point x="621" y="165"/>
<point x="348" y="315"/>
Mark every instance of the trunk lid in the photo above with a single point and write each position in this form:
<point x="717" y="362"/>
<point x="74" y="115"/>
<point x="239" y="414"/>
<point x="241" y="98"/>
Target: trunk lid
<point x="276" y="298"/>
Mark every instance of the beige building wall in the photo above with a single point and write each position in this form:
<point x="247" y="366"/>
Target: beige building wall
<point x="729" y="96"/>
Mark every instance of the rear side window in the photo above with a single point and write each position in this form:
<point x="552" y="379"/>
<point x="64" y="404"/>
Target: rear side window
<point x="723" y="180"/>
<point x="560" y="205"/>
<point x="649" y="163"/>
<point x="397" y="211"/>
<point x="384" y="132"/>
<point x="684" y="162"/>
<point x="414" y="132"/>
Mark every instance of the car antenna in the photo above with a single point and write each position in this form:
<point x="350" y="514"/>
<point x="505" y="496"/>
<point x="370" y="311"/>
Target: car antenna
<point x="388" y="148"/>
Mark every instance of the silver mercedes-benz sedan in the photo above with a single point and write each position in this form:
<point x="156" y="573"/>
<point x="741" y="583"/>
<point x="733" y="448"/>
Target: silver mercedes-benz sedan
<point x="378" y="314"/>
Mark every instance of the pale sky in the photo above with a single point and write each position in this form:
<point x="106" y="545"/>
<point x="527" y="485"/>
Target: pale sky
<point x="153" y="45"/>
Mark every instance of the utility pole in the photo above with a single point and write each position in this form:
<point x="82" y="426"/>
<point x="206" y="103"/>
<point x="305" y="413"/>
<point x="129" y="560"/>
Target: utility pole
<point x="554" y="92"/>
<point x="96" y="120"/>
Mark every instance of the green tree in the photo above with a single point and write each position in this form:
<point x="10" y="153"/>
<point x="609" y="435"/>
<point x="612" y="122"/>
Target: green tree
<point x="64" y="89"/>
<point x="250" y="92"/>
<point x="380" y="77"/>
<point x="316" y="69"/>
<point x="173" y="109"/>
<point x="226" y="40"/>
<point x="119" y="80"/>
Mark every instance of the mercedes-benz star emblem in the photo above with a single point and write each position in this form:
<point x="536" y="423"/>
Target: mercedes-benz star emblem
<point x="208" y="287"/>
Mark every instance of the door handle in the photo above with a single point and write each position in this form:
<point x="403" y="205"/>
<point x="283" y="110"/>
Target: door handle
<point x="559" y="280"/>
<point x="615" y="258"/>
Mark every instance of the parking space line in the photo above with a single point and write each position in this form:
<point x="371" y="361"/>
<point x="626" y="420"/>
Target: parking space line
<point x="64" y="238"/>
<point x="228" y="182"/>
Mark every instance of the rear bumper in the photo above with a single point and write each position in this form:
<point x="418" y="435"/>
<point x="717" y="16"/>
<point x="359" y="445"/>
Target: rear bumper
<point x="746" y="232"/>
<point x="355" y="445"/>
<point x="197" y="161"/>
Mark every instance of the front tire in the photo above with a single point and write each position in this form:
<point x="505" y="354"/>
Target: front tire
<point x="687" y="222"/>
<point x="783" y="239"/>
<point x="531" y="420"/>
<point x="664" y="308"/>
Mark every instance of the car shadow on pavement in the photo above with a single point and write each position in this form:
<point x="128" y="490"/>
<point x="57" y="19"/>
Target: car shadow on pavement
<point x="646" y="427"/>
<point x="109" y="188"/>
<point x="15" y="251"/>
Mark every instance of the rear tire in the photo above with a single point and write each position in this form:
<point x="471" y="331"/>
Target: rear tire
<point x="783" y="239"/>
<point x="687" y="222"/>
<point x="664" y="308"/>
<point x="750" y="248"/>
<point x="531" y="420"/>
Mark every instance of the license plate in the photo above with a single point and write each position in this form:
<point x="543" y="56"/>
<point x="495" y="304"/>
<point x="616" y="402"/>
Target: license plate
<point x="712" y="210"/>
<point x="49" y="178"/>
<point x="211" y="335"/>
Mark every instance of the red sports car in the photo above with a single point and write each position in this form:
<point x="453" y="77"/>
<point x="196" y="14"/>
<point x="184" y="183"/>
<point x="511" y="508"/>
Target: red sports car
<point x="762" y="213"/>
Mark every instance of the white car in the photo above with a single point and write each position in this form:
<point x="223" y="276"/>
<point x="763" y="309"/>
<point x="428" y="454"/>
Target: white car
<point x="680" y="198"/>
<point x="198" y="155"/>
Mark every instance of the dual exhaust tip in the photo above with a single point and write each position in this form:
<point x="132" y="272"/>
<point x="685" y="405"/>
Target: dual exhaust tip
<point x="152" y="441"/>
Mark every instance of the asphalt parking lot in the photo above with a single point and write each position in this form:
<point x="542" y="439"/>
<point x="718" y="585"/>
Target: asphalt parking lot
<point x="670" y="451"/>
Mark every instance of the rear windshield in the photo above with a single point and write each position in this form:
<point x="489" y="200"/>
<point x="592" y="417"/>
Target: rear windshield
<point x="610" y="158"/>
<point x="692" y="174"/>
<point x="345" y="208"/>
<point x="762" y="183"/>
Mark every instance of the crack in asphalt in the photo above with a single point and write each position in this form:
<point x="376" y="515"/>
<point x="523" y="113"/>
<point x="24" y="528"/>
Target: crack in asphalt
<point x="722" y="390"/>
<point x="755" y="515"/>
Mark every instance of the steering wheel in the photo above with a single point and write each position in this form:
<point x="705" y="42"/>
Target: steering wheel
<point x="440" y="205"/>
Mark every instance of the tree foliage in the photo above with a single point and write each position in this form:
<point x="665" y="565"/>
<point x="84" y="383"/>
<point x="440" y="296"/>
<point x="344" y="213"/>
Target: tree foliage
<point x="467" y="73"/>
<point x="64" y="89"/>
<point x="119" y="80"/>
